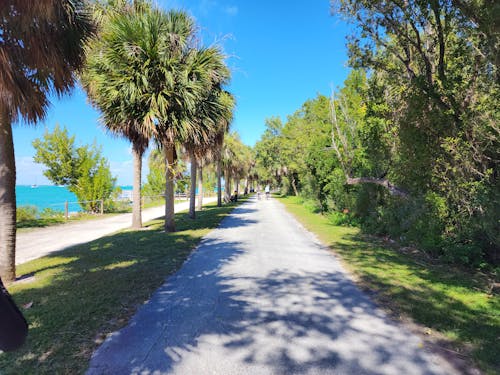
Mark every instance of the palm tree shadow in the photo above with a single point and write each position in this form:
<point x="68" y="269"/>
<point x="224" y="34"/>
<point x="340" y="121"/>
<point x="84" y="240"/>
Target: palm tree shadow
<point x="292" y="323"/>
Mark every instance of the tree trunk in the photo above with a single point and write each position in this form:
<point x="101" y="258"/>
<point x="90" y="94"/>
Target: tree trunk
<point x="294" y="187"/>
<point x="227" y="187"/>
<point x="237" y="186"/>
<point x="7" y="200"/>
<point x="169" y="188"/>
<point x="192" y="187"/>
<point x="136" y="194"/>
<point x="200" y="188"/>
<point x="378" y="181"/>
<point x="219" y="183"/>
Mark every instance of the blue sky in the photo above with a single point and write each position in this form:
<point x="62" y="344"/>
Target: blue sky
<point x="281" y="53"/>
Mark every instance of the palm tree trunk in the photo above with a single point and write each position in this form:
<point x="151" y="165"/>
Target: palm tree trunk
<point x="227" y="187"/>
<point x="219" y="183"/>
<point x="136" y="194"/>
<point x="200" y="188"/>
<point x="7" y="200"/>
<point x="169" y="188"/>
<point x="192" y="188"/>
<point x="237" y="186"/>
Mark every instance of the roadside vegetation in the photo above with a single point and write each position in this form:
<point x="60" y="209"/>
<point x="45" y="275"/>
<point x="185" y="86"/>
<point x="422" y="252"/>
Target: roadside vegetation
<point x="457" y="309"/>
<point x="170" y="92"/>
<point x="31" y="217"/>
<point x="74" y="298"/>
<point x="408" y="147"/>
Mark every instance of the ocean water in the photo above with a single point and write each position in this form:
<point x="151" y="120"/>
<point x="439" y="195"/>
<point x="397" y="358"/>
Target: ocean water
<point x="49" y="196"/>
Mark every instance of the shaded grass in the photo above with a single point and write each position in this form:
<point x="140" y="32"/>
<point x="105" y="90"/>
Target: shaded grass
<point x="83" y="293"/>
<point x="454" y="303"/>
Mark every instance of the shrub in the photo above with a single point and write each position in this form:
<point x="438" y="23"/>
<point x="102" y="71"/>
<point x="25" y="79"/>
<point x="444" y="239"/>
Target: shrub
<point x="26" y="213"/>
<point x="49" y="213"/>
<point x="345" y="219"/>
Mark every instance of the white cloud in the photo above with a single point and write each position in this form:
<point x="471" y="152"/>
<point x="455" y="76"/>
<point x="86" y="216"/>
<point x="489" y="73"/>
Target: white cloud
<point x="231" y="10"/>
<point x="28" y="172"/>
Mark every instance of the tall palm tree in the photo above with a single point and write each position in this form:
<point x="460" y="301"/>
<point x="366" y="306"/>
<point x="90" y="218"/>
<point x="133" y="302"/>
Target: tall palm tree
<point x="208" y="150"/>
<point x="41" y="45"/>
<point x="198" y="80"/>
<point x="235" y="160"/>
<point x="114" y="81"/>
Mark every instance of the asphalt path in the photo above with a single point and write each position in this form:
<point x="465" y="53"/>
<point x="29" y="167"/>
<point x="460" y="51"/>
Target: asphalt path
<point x="260" y="295"/>
<point x="39" y="242"/>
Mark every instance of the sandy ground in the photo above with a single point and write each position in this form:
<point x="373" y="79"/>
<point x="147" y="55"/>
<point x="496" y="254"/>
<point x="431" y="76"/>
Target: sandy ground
<point x="260" y="295"/>
<point x="38" y="242"/>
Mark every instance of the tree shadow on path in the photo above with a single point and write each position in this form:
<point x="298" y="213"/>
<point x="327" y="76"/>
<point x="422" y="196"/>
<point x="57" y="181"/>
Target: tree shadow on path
<point x="211" y="319"/>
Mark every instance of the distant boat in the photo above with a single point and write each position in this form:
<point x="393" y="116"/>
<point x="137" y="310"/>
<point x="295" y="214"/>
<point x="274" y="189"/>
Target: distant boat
<point x="34" y="186"/>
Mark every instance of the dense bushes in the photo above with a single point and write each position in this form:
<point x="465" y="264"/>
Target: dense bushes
<point x="409" y="146"/>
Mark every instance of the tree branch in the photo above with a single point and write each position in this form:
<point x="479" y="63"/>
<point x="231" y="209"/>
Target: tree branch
<point x="394" y="190"/>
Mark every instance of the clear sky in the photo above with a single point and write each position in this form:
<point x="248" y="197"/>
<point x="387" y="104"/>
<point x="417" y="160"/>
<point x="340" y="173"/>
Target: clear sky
<point x="281" y="53"/>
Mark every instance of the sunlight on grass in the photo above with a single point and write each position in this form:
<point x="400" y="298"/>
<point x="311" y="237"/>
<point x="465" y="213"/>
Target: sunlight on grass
<point x="83" y="293"/>
<point x="451" y="302"/>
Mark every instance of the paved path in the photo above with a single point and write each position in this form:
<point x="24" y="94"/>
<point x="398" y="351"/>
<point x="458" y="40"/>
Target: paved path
<point x="36" y="243"/>
<point x="260" y="296"/>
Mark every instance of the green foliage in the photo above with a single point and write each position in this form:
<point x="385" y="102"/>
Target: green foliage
<point x="31" y="217"/>
<point x="412" y="149"/>
<point x="57" y="151"/>
<point x="88" y="290"/>
<point x="155" y="180"/>
<point x="456" y="302"/>
<point x="26" y="213"/>
<point x="49" y="213"/>
<point x="83" y="168"/>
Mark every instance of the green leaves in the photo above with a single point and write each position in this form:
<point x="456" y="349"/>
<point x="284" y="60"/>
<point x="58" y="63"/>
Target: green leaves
<point x="82" y="169"/>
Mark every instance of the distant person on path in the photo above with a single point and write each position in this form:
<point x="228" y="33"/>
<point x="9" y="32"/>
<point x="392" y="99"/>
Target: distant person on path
<point x="234" y="197"/>
<point x="267" y="190"/>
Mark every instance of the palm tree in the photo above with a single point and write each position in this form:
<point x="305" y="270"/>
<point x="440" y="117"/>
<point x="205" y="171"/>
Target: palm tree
<point x="41" y="46"/>
<point x="236" y="161"/>
<point x="198" y="81"/>
<point x="114" y="81"/>
<point x="229" y="155"/>
<point x="201" y="153"/>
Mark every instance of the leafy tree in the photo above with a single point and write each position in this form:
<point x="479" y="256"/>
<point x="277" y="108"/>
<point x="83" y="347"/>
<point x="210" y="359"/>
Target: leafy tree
<point x="107" y="80"/>
<point x="42" y="46"/>
<point x="82" y="168"/>
<point x="155" y="184"/>
<point x="439" y="60"/>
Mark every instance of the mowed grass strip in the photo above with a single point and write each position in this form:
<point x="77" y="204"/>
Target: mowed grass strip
<point x="83" y="293"/>
<point x="454" y="304"/>
<point x="59" y="219"/>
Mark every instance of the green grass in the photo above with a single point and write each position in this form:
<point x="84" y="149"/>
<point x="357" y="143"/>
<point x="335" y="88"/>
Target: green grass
<point x="42" y="222"/>
<point x="454" y="303"/>
<point x="83" y="293"/>
<point x="57" y="220"/>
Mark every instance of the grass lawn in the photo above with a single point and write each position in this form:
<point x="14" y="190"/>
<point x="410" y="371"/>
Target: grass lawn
<point x="25" y="225"/>
<point x="42" y="222"/>
<point x="83" y="293"/>
<point x="454" y="305"/>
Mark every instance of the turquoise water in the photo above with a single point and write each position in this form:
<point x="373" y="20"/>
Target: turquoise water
<point x="46" y="196"/>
